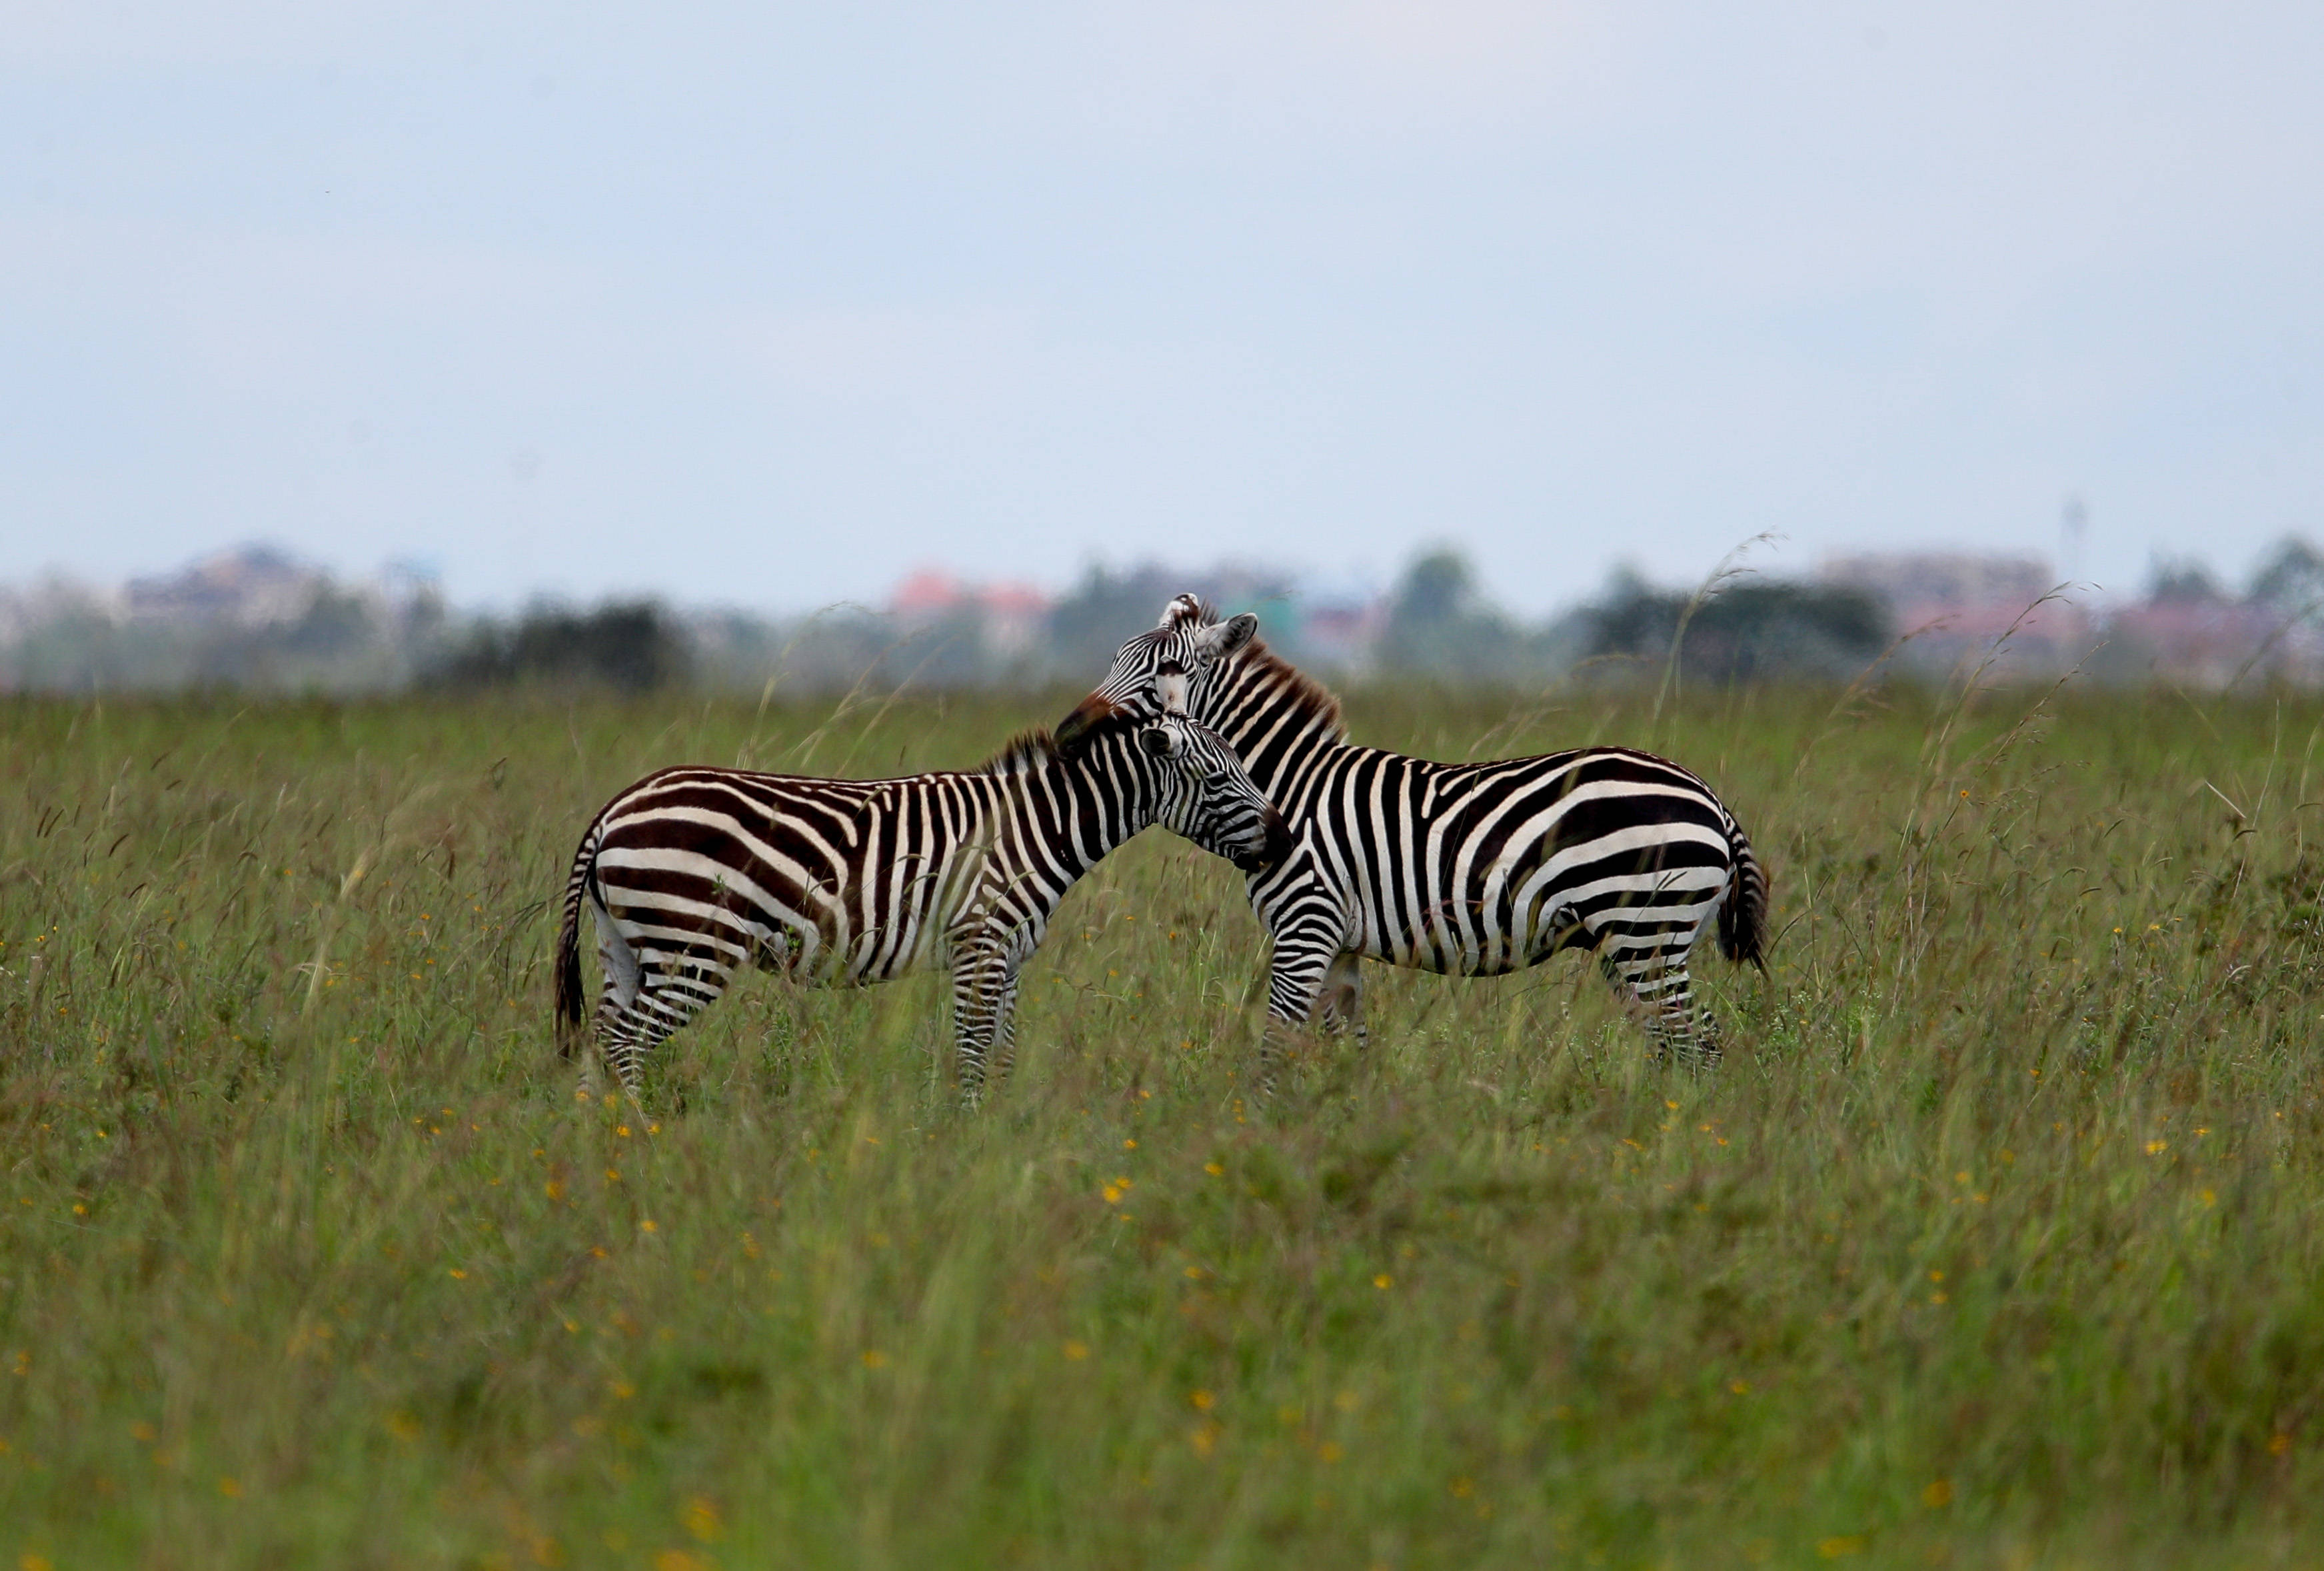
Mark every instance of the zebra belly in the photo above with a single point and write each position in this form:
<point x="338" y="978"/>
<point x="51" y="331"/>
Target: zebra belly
<point x="1436" y="942"/>
<point x="1662" y="913"/>
<point x="1659" y="908"/>
<point x="789" y="946"/>
<point x="680" y="916"/>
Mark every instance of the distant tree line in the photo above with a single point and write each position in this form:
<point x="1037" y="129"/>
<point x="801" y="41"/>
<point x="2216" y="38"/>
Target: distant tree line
<point x="1438" y="627"/>
<point x="1754" y="630"/>
<point x="1435" y="624"/>
<point x="1441" y="626"/>
<point x="630" y="646"/>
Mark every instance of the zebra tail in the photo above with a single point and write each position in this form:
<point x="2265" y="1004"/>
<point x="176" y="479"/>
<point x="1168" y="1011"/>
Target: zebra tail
<point x="1743" y="915"/>
<point x="570" y="1003"/>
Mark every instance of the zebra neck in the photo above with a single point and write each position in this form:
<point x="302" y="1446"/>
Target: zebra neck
<point x="1275" y="728"/>
<point x="1083" y="810"/>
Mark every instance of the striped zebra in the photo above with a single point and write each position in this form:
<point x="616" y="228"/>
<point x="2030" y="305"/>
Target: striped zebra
<point x="693" y="871"/>
<point x="1470" y="869"/>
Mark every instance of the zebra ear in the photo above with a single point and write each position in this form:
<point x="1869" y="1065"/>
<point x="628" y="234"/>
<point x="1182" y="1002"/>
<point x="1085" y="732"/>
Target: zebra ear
<point x="1158" y="740"/>
<point x="1217" y="643"/>
<point x="1181" y="610"/>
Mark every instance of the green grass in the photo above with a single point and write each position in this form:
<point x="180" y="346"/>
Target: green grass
<point x="1996" y="1240"/>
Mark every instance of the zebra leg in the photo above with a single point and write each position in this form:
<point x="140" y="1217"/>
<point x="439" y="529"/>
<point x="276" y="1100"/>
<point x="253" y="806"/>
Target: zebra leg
<point x="1003" y="1038"/>
<point x="983" y="989"/>
<point x="1024" y="936"/>
<point x="622" y="977"/>
<point x="1655" y="986"/>
<point x="1302" y="961"/>
<point x="664" y="1004"/>
<point x="647" y="996"/>
<point x="987" y="958"/>
<point x="1340" y="997"/>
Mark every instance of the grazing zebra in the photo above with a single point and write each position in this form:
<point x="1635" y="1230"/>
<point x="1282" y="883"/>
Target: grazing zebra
<point x="1471" y="869"/>
<point x="693" y="871"/>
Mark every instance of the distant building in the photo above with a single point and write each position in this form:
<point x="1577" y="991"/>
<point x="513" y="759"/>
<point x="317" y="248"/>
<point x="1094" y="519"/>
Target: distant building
<point x="1343" y="635"/>
<point x="253" y="616"/>
<point x="1012" y="615"/>
<point x="249" y="585"/>
<point x="1964" y="608"/>
<point x="2210" y="642"/>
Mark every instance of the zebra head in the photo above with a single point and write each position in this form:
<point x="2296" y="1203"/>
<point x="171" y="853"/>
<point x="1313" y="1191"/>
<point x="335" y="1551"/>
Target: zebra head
<point x="1153" y="671"/>
<point x="1206" y="796"/>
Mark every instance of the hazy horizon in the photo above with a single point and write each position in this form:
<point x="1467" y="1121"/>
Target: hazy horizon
<point x="1753" y="561"/>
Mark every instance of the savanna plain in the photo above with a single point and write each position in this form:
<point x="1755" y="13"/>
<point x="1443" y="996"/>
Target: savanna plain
<point x="1995" y="1238"/>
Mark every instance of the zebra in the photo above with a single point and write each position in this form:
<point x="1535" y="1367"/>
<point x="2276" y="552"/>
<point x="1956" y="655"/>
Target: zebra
<point x="1470" y="869"/>
<point x="694" y="871"/>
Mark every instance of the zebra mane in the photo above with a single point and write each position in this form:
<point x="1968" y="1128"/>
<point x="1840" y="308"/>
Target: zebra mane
<point x="1258" y="667"/>
<point x="1023" y="753"/>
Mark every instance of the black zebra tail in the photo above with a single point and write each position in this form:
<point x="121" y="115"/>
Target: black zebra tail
<point x="570" y="1005"/>
<point x="1743" y="915"/>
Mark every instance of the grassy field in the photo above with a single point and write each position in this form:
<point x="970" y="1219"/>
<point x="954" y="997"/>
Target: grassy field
<point x="1996" y="1240"/>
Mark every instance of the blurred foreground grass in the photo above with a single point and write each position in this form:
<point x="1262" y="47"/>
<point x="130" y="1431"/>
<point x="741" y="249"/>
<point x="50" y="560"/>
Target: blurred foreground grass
<point x="1996" y="1240"/>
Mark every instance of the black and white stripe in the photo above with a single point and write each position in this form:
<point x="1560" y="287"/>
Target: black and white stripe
<point x="693" y="872"/>
<point x="1472" y="869"/>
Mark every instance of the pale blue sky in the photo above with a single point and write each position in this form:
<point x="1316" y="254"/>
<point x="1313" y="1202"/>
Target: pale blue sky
<point x="766" y="306"/>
